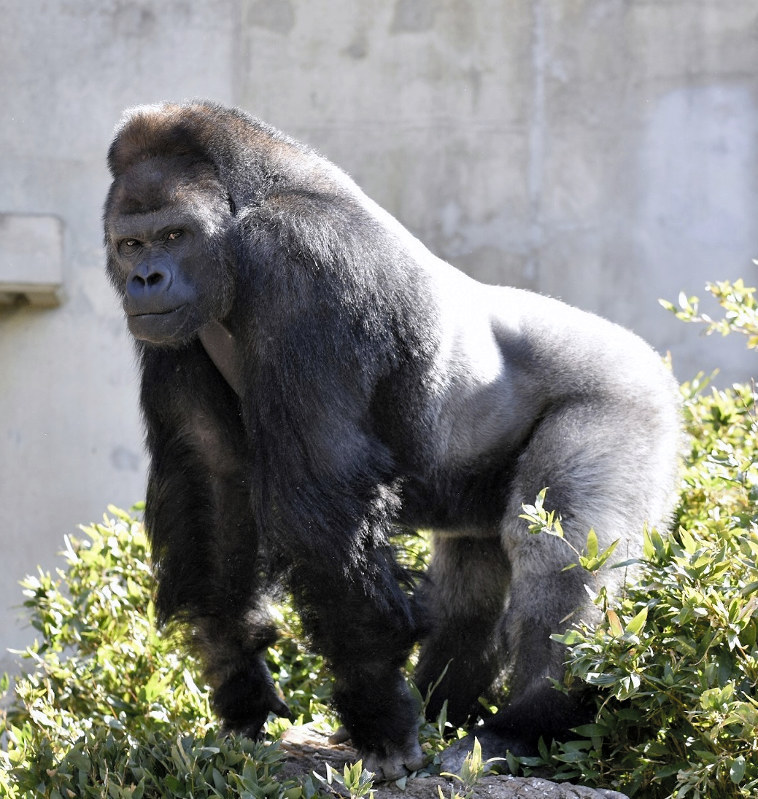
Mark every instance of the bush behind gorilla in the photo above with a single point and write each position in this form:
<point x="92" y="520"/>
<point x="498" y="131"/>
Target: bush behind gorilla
<point x="313" y="380"/>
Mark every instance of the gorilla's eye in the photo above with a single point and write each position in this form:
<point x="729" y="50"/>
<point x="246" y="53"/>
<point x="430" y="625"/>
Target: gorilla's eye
<point x="174" y="235"/>
<point x="129" y="245"/>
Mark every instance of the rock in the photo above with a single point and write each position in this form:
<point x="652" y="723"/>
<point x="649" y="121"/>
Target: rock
<point x="308" y="750"/>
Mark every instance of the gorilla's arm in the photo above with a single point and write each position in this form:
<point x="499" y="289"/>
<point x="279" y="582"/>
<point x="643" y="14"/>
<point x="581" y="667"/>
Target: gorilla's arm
<point x="322" y="482"/>
<point x="325" y="504"/>
<point x="197" y="514"/>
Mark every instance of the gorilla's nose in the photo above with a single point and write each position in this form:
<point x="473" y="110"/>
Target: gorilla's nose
<point x="148" y="288"/>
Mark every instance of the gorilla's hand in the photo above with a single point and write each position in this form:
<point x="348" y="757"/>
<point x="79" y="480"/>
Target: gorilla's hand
<point x="244" y="702"/>
<point x="395" y="763"/>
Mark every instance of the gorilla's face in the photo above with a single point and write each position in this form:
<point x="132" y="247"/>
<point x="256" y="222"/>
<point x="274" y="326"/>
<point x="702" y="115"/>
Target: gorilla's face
<point x="167" y="225"/>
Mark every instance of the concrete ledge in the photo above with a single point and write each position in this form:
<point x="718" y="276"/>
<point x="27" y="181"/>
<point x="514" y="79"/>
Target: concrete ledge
<point x="31" y="259"/>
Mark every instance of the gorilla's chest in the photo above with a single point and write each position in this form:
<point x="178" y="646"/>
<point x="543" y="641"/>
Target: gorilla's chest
<point x="221" y="347"/>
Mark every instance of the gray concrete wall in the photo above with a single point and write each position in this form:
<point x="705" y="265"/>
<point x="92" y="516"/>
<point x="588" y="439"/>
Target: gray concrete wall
<point x="598" y="150"/>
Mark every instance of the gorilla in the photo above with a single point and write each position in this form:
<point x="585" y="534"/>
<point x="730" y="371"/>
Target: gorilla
<point x="314" y="381"/>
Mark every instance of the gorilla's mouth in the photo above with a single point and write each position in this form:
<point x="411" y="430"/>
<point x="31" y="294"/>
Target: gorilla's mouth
<point x="159" y="327"/>
<point x="149" y="314"/>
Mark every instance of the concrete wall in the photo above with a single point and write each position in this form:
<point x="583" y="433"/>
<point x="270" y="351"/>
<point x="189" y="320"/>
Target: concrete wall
<point x="599" y="150"/>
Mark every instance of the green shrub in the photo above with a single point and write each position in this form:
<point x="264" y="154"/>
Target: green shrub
<point x="108" y="707"/>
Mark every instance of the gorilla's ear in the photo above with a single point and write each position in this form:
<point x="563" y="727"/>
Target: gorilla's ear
<point x="150" y="131"/>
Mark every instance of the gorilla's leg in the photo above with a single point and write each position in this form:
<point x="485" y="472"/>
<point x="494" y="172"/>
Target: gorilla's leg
<point x="590" y="460"/>
<point x="464" y="596"/>
<point x="541" y="603"/>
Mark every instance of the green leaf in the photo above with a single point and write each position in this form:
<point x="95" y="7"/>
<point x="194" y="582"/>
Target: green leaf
<point x="637" y="624"/>
<point x="614" y="623"/>
<point x="592" y="544"/>
<point x="737" y="770"/>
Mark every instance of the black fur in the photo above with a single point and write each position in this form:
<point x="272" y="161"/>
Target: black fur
<point x="366" y="385"/>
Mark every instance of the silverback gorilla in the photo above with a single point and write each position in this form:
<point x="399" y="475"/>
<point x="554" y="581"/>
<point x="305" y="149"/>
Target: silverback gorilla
<point x="315" y="380"/>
